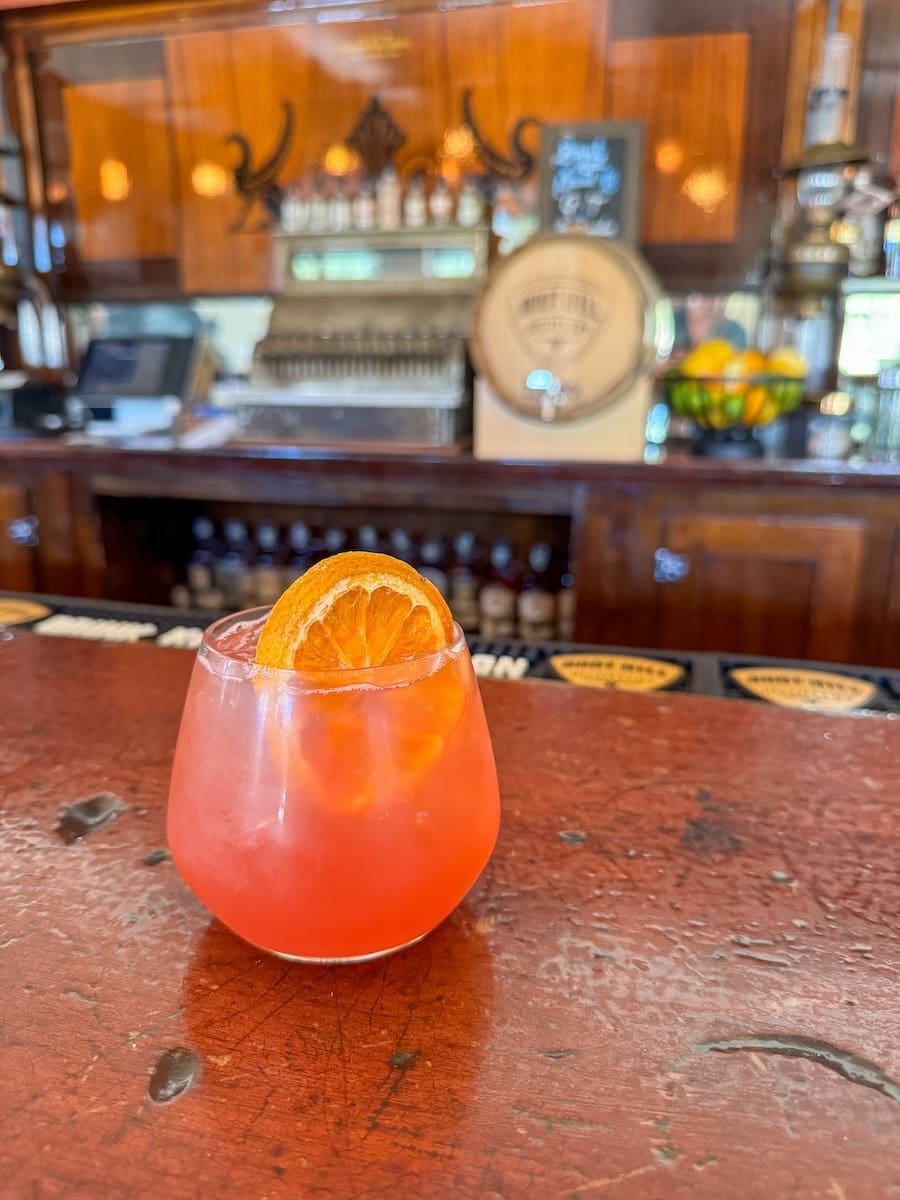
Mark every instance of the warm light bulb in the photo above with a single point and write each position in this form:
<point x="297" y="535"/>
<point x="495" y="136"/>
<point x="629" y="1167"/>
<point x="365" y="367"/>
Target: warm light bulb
<point x="209" y="179"/>
<point x="341" y="160"/>
<point x="115" y="182"/>
<point x="706" y="187"/>
<point x="458" y="143"/>
<point x="669" y="156"/>
<point x="57" y="192"/>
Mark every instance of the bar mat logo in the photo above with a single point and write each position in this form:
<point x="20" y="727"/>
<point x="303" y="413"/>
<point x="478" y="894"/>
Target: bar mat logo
<point x="558" y="317"/>
<point x="805" y="689"/>
<point x="20" y="612"/>
<point x="621" y="671"/>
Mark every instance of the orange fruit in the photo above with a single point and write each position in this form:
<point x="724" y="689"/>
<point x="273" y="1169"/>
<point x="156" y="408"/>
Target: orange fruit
<point x="353" y="611"/>
<point x="709" y="359"/>
<point x="757" y="399"/>
<point x="347" y="749"/>
<point x="745" y="365"/>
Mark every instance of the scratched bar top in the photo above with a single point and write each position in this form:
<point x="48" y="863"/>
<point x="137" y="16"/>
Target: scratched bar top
<point x="678" y="976"/>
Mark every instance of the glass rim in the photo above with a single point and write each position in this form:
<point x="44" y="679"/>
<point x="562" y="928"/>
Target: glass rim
<point x="334" y="679"/>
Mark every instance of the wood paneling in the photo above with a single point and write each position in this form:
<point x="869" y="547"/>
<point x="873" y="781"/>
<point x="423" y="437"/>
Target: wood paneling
<point x="115" y="127"/>
<point x="807" y="42"/>
<point x="418" y="65"/>
<point x="204" y="98"/>
<point x="879" y="83"/>
<point x="890" y="647"/>
<point x="767" y="23"/>
<point x="762" y="538"/>
<point x="783" y="586"/>
<point x="19" y="5"/>
<point x="709" y="78"/>
<point x="16" y="561"/>
<point x="691" y="93"/>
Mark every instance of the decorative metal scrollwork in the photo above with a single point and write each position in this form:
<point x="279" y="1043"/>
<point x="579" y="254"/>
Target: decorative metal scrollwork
<point x="376" y="137"/>
<point x="520" y="163"/>
<point x="258" y="185"/>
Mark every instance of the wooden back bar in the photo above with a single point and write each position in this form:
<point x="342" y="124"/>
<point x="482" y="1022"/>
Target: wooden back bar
<point x="795" y="560"/>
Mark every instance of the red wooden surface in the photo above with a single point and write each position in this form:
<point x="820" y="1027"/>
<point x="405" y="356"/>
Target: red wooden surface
<point x="729" y="872"/>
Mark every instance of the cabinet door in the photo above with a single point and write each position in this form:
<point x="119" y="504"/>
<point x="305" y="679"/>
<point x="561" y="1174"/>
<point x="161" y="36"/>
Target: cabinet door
<point x="18" y="535"/>
<point x="771" y="585"/>
<point x="891" y="636"/>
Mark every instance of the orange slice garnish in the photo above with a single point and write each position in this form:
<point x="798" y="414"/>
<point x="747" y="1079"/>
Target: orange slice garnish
<point x="353" y="611"/>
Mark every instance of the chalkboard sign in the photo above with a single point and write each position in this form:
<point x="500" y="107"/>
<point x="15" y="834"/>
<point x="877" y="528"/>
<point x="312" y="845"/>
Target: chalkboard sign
<point x="590" y="178"/>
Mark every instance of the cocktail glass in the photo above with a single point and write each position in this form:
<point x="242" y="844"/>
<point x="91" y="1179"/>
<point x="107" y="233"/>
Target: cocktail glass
<point x="336" y="817"/>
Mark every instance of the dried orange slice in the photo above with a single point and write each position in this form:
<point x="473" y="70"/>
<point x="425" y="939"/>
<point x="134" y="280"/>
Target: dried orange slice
<point x="353" y="611"/>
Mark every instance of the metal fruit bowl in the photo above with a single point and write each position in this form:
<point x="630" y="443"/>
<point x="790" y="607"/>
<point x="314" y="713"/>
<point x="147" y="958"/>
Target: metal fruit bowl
<point x="721" y="402"/>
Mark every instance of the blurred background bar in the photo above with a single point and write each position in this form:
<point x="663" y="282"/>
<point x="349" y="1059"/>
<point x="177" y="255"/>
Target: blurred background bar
<point x="590" y="309"/>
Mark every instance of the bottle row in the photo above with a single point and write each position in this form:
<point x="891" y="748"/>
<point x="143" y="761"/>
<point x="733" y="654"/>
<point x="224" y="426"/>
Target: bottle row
<point x="336" y="206"/>
<point x="495" y="589"/>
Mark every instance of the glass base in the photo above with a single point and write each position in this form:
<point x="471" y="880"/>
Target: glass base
<point x="335" y="962"/>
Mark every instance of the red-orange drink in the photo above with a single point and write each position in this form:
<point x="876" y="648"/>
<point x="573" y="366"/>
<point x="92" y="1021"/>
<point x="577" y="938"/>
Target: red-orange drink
<point x="333" y="818"/>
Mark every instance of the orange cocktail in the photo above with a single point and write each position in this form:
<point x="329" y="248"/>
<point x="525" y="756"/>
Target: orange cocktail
<point x="331" y="813"/>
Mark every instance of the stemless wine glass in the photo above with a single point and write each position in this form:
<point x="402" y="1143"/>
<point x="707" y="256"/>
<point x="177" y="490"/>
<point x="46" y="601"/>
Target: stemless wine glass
<point x="334" y="818"/>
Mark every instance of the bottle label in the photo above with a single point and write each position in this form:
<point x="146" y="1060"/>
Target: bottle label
<point x="463" y="588"/>
<point x="497" y="603"/>
<point x="537" y="607"/>
<point x="200" y="576"/>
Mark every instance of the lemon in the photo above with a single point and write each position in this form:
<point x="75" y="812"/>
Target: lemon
<point x="785" y="360"/>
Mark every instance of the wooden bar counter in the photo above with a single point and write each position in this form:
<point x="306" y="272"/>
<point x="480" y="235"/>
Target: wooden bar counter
<point x="677" y="978"/>
<point x="788" y="559"/>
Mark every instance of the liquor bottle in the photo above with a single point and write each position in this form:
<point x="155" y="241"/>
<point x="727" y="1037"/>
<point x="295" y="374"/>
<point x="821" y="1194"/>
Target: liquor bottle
<point x="497" y="599"/>
<point x="415" y="206"/>
<point x="565" y="608"/>
<point x="537" y="602"/>
<point x="440" y="203"/>
<point x="211" y="600"/>
<point x="268" y="540"/>
<point x="364" y="208"/>
<point x="402" y="546"/>
<point x="462" y="583"/>
<point x="300" y="553"/>
<point x="294" y="210"/>
<point x="470" y="205"/>
<point x="233" y="575"/>
<point x="202" y="561"/>
<point x="267" y="570"/>
<point x="369" y="539"/>
<point x="334" y="541"/>
<point x="180" y="596"/>
<point x="317" y="219"/>
<point x="433" y="562"/>
<point x="389" y="200"/>
<point x="340" y="214"/>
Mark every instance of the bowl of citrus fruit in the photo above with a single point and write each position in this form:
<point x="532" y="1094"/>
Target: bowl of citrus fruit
<point x="721" y="387"/>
